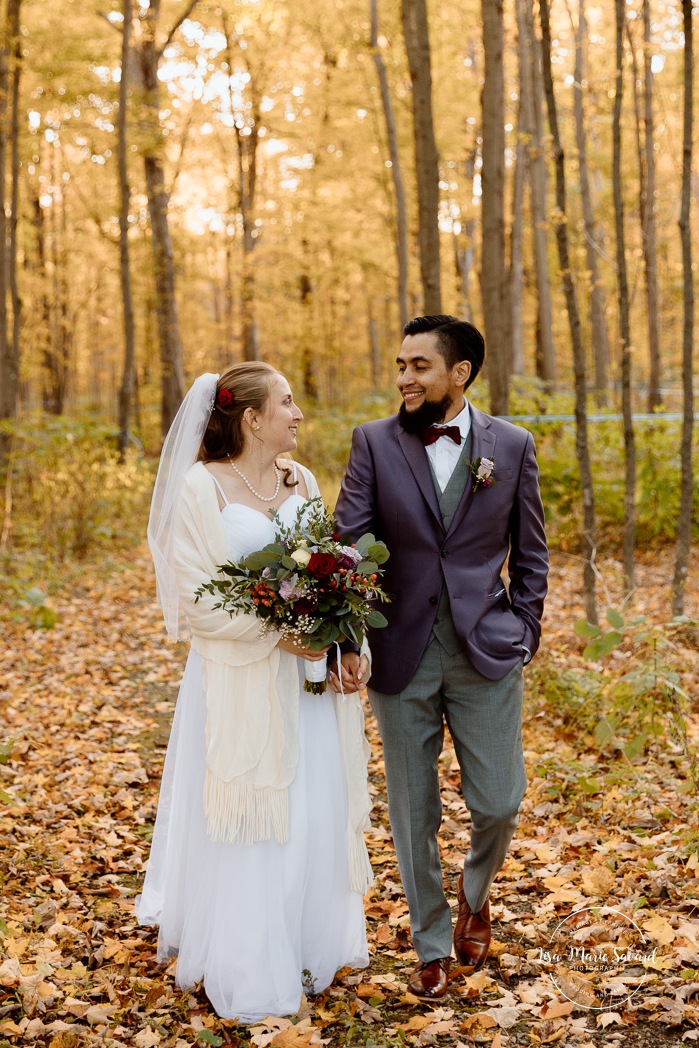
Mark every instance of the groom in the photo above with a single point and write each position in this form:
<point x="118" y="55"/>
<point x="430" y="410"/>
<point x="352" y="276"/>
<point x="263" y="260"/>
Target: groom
<point x="454" y="493"/>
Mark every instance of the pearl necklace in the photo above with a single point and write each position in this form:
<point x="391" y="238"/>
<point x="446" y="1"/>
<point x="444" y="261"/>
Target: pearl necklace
<point x="262" y="498"/>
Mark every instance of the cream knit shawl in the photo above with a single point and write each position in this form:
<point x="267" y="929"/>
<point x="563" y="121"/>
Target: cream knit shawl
<point x="252" y="698"/>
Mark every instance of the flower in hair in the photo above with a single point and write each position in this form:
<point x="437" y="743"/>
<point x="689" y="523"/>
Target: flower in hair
<point x="224" y="398"/>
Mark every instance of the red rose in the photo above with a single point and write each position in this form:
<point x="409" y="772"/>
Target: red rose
<point x="322" y="564"/>
<point x="224" y="398"/>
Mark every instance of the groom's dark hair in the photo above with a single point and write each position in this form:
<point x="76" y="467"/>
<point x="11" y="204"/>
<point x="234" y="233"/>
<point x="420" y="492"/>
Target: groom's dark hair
<point x="457" y="339"/>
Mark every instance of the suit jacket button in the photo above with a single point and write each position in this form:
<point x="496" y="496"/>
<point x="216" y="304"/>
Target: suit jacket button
<point x="444" y="553"/>
<point x="433" y="600"/>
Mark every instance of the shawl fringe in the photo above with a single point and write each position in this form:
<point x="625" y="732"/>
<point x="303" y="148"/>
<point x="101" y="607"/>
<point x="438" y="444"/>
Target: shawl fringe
<point x="243" y="814"/>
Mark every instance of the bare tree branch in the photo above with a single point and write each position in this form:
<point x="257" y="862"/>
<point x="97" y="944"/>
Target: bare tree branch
<point x="183" y="17"/>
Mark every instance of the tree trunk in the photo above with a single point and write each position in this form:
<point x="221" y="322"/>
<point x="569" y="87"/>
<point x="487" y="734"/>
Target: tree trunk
<point x="55" y="377"/>
<point x="172" y="369"/>
<point x="128" y="380"/>
<point x="9" y="377"/>
<point x="684" y="522"/>
<point x="247" y="174"/>
<point x="401" y="228"/>
<point x="532" y="126"/>
<point x="463" y="256"/>
<point x="247" y="130"/>
<point x="308" y="365"/>
<point x="516" y="271"/>
<point x="228" y="299"/>
<point x="463" y="261"/>
<point x="13" y="9"/>
<point x="560" y="220"/>
<point x="650" y="250"/>
<point x="44" y="310"/>
<point x="493" y="272"/>
<point x="417" y="45"/>
<point x="598" y="324"/>
<point x="629" y="541"/>
<point x="374" y="346"/>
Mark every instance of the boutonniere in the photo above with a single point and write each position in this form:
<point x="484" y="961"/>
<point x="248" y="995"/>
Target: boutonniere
<point x="482" y="471"/>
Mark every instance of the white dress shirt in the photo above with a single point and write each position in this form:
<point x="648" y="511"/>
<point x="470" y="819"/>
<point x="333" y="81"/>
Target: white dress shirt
<point x="444" y="453"/>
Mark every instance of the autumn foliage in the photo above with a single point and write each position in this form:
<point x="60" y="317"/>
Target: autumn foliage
<point x="84" y="720"/>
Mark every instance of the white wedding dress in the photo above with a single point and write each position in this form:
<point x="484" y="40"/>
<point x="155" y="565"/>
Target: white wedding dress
<point x="258" y="924"/>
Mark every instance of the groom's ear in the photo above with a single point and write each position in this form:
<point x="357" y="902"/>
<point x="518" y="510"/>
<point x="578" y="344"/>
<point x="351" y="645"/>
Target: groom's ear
<point x="462" y="372"/>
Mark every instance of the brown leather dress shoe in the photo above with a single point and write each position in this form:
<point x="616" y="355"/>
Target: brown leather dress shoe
<point x="472" y="932"/>
<point x="430" y="979"/>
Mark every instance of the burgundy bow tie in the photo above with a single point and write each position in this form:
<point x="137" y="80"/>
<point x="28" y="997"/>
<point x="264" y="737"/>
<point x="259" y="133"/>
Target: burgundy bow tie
<point x="435" y="432"/>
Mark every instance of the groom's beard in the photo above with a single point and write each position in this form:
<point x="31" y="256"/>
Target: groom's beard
<point x="429" y="413"/>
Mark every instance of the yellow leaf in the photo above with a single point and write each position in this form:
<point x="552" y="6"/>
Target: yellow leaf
<point x="556" y="1035"/>
<point x="576" y="988"/>
<point x="660" y="930"/>
<point x="478" y="1023"/>
<point x="607" y="1018"/>
<point x="369" y="990"/>
<point x="556" y="1009"/>
<point x="75" y="1007"/>
<point x="439" y="1028"/>
<point x="416" y="1023"/>
<point x="552" y="883"/>
<point x="300" y="1036"/>
<point x="563" y="895"/>
<point x="8" y="1027"/>
<point x="147" y="1038"/>
<point x="597" y="880"/>
<point x="100" y="1013"/>
<point x="9" y="972"/>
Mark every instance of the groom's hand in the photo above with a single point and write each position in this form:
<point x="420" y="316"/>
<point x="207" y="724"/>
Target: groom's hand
<point x="353" y="670"/>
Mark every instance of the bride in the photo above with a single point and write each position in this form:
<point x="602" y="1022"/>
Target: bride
<point x="258" y="861"/>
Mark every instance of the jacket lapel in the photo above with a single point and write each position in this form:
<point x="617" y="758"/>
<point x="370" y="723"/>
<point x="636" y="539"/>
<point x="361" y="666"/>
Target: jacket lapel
<point x="414" y="451"/>
<point x="482" y="446"/>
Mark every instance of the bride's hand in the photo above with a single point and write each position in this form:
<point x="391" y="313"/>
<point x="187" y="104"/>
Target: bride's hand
<point x="296" y="646"/>
<point x="354" y="670"/>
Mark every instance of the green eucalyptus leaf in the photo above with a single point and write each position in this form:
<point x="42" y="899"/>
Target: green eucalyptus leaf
<point x="259" y="560"/>
<point x="378" y="552"/>
<point x="364" y="543"/>
<point x="349" y="630"/>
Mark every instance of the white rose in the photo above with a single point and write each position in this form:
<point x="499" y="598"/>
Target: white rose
<point x="485" y="468"/>
<point x="301" y="556"/>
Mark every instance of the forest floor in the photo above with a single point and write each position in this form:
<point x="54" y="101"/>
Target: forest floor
<point x="85" y="709"/>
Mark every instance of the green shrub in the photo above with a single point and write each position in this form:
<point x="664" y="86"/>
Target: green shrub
<point x="70" y="493"/>
<point x="624" y="707"/>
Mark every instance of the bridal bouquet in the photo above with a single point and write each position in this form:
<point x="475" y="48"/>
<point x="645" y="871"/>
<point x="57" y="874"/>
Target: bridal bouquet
<point x="309" y="583"/>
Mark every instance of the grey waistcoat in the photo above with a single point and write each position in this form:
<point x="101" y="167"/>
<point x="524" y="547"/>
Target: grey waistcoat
<point x="449" y="500"/>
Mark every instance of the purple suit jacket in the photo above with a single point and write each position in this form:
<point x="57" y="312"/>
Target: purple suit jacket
<point x="388" y="490"/>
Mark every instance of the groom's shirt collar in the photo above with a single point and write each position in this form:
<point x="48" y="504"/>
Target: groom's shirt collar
<point x="463" y="421"/>
<point x="444" y="453"/>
